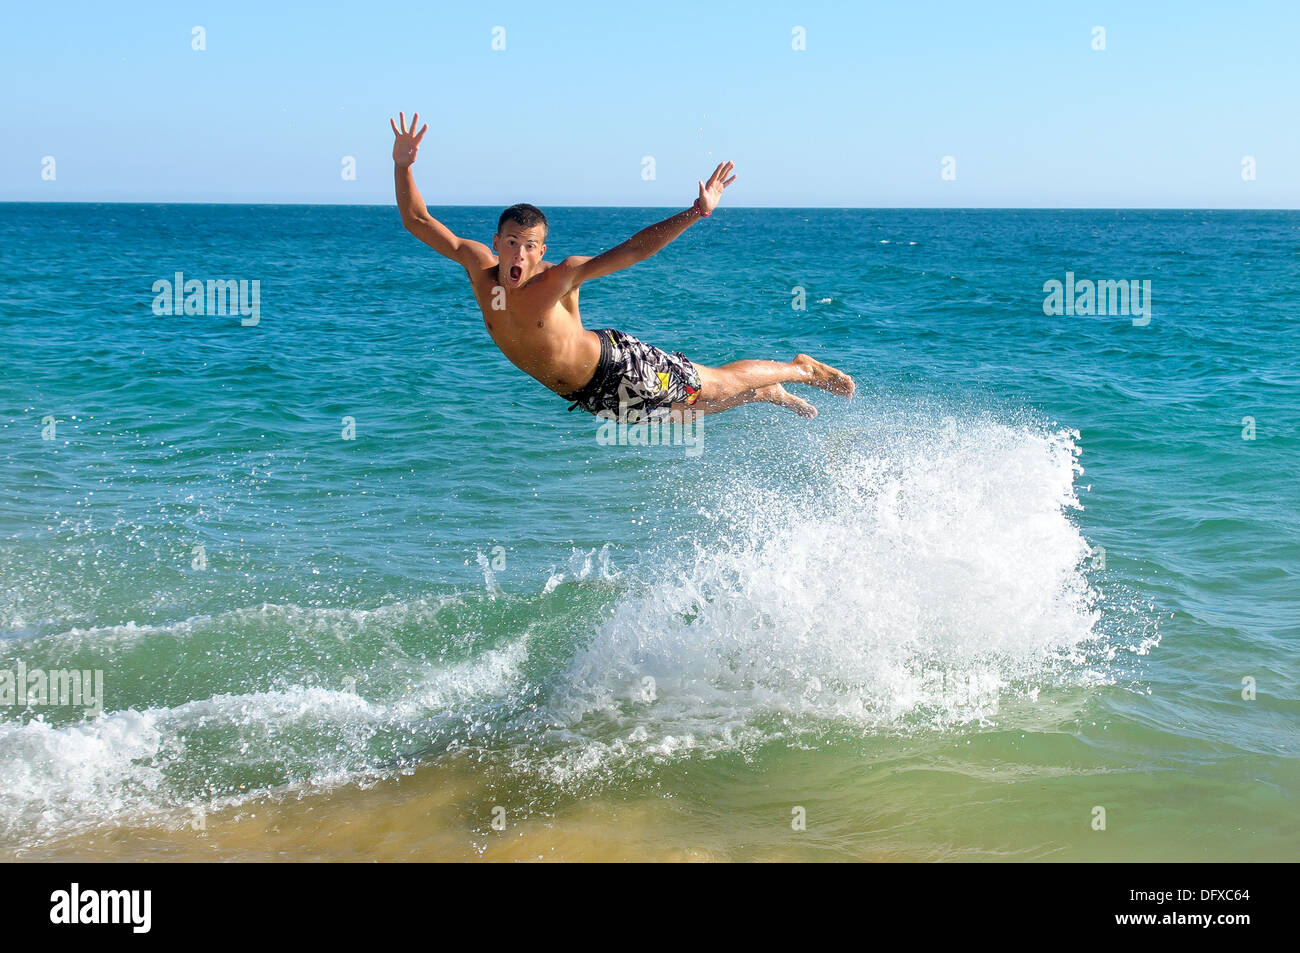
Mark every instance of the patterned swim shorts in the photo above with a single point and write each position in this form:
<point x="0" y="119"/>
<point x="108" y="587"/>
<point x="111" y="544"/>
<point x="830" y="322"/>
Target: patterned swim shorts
<point x="635" y="381"/>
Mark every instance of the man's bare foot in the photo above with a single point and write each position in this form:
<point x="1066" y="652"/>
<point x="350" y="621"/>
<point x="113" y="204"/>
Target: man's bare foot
<point x="826" y="377"/>
<point x="776" y="394"/>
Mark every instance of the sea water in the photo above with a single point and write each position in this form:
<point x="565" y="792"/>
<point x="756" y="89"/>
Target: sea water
<point x="1033" y="593"/>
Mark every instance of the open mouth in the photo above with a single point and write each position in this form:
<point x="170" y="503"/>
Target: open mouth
<point x="515" y="272"/>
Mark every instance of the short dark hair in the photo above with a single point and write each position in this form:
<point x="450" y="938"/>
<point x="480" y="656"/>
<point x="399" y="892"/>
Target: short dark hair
<point x="525" y="215"/>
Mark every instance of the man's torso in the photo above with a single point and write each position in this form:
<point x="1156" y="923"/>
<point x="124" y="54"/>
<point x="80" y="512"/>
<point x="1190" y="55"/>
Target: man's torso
<point x="540" y="334"/>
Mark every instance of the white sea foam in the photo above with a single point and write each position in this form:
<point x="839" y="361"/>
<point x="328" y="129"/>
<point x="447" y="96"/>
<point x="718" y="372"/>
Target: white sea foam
<point x="584" y="566"/>
<point x="933" y="574"/>
<point x="56" y="780"/>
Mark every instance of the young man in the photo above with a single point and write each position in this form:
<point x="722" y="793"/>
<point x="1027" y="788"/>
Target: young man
<point x="530" y="307"/>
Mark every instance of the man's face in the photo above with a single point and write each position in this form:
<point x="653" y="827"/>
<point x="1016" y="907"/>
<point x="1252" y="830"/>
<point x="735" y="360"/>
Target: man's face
<point x="519" y="250"/>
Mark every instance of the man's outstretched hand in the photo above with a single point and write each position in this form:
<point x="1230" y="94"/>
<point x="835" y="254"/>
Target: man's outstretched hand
<point x="407" y="143"/>
<point x="711" y="192"/>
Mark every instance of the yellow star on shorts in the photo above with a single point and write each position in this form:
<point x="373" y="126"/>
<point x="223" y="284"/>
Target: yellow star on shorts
<point x="663" y="379"/>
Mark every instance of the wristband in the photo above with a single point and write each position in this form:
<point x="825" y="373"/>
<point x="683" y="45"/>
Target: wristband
<point x="696" y="206"/>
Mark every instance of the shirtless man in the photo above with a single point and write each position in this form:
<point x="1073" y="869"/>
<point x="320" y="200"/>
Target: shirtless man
<point x="530" y="307"/>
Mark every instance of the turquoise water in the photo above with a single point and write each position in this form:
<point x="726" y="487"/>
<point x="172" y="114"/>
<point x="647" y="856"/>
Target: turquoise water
<point x="900" y="610"/>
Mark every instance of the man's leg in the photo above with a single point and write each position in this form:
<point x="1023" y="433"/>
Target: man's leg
<point x="771" y="394"/>
<point x="739" y="377"/>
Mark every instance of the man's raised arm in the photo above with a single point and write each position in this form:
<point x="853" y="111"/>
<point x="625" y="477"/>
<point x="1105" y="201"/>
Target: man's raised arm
<point x="415" y="214"/>
<point x="576" y="269"/>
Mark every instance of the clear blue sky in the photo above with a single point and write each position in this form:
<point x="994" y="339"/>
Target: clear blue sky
<point x="1014" y="91"/>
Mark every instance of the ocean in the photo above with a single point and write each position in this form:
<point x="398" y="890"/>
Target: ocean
<point x="351" y="586"/>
